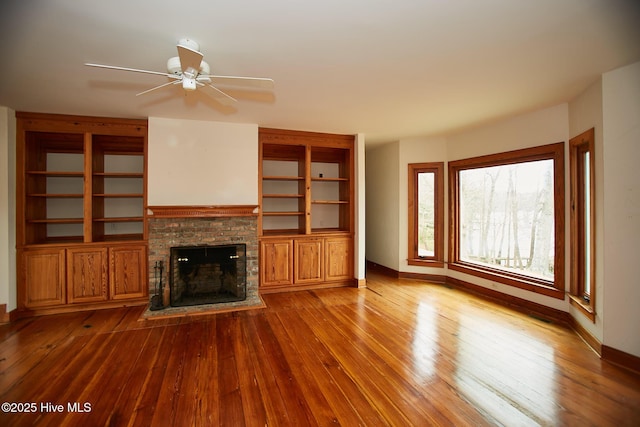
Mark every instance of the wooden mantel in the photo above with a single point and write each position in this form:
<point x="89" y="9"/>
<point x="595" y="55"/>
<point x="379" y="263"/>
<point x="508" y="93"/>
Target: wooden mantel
<point x="202" y="211"/>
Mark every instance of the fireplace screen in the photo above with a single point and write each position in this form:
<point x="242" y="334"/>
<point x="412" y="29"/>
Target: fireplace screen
<point x="208" y="274"/>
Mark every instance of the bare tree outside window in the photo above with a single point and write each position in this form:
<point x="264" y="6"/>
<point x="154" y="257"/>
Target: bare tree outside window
<point x="506" y="217"/>
<point x="426" y="214"/>
<point x="506" y="221"/>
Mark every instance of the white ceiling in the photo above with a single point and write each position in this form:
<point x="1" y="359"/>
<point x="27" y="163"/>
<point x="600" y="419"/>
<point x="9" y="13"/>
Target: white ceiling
<point x="387" y="68"/>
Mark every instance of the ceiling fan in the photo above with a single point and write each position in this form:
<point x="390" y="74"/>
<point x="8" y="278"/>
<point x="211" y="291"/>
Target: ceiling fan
<point x="189" y="70"/>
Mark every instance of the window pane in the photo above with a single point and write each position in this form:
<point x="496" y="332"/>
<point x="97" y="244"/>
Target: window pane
<point x="587" y="224"/>
<point x="506" y="217"/>
<point x="426" y="214"/>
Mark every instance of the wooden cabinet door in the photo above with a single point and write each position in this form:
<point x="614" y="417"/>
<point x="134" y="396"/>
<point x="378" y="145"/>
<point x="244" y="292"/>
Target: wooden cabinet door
<point x="308" y="265"/>
<point x="42" y="280"/>
<point x="276" y="262"/>
<point x="127" y="272"/>
<point x="338" y="258"/>
<point x="86" y="275"/>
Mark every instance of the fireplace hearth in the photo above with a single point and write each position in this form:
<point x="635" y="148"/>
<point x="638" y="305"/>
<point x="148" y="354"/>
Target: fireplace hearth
<point x="207" y="274"/>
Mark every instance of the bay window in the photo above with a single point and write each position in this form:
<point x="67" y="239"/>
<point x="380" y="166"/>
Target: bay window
<point x="507" y="218"/>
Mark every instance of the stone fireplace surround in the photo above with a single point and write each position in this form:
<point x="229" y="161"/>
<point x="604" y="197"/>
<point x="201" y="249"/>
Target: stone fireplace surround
<point x="172" y="226"/>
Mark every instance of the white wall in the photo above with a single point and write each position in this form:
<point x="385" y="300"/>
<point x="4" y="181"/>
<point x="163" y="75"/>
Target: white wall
<point x="621" y="132"/>
<point x="202" y="163"/>
<point x="585" y="112"/>
<point x="7" y="208"/>
<point x="382" y="205"/>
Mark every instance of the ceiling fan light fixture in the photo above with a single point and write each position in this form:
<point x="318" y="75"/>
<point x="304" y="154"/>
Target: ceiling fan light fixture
<point x="189" y="69"/>
<point x="173" y="66"/>
<point x="189" y="84"/>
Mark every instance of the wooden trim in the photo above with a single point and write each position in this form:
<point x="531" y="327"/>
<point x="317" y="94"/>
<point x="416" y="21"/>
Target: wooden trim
<point x="620" y="358"/>
<point x="306" y="287"/>
<point x="585" y="309"/>
<point x="433" y="278"/>
<point x="72" y="308"/>
<point x="202" y="211"/>
<point x="553" y="152"/>
<point x="437" y="169"/>
<point x="517" y="282"/>
<point x="426" y="263"/>
<point x="381" y="269"/>
<point x="295" y="137"/>
<point x="578" y="146"/>
<point x="81" y="124"/>
<point x="522" y="305"/>
<point x="4" y="316"/>
<point x="378" y="268"/>
<point x="586" y="336"/>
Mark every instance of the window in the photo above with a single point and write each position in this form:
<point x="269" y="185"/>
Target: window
<point x="426" y="214"/>
<point x="507" y="220"/>
<point x="582" y="216"/>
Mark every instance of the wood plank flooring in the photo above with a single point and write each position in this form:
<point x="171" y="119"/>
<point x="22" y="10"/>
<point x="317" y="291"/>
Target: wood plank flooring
<point x="399" y="353"/>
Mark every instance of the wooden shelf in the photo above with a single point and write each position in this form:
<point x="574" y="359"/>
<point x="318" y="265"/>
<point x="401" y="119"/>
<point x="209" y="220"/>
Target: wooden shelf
<point x="119" y="195"/>
<point x="80" y="212"/>
<point x="119" y="174"/>
<point x="329" y="202"/>
<point x="56" y="221"/>
<point x="306" y="217"/>
<point x="330" y="179"/>
<point x="57" y="196"/>
<point x="120" y="219"/>
<point x="283" y="213"/>
<point x="282" y="196"/>
<point x="97" y="164"/>
<point x="61" y="174"/>
<point x="283" y="178"/>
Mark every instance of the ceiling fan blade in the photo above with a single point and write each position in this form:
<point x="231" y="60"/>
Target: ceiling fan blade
<point x="258" y="82"/>
<point x="158" y="87"/>
<point x="189" y="58"/>
<point x="225" y="98"/>
<point x="135" y="70"/>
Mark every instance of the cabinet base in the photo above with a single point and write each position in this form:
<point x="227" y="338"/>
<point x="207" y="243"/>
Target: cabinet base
<point x="290" y="288"/>
<point x="25" y="312"/>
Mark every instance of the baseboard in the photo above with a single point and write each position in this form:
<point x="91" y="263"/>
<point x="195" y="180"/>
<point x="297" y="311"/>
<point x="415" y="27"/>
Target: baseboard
<point x="524" y="306"/>
<point x="4" y="316"/>
<point x="381" y="269"/>
<point x="433" y="278"/>
<point x="586" y="336"/>
<point x="518" y="304"/>
<point x="73" y="308"/>
<point x="620" y="358"/>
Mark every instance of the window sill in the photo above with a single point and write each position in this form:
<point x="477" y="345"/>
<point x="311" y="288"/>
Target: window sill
<point x="425" y="262"/>
<point x="583" y="308"/>
<point x="518" y="282"/>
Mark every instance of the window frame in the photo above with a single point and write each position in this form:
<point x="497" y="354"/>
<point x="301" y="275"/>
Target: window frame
<point x="414" y="169"/>
<point x="553" y="152"/>
<point x="578" y="146"/>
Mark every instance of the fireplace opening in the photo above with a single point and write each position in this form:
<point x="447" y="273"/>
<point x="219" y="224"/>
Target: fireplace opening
<point x="207" y="274"/>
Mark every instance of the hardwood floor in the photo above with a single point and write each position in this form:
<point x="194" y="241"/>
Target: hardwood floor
<point x="401" y="352"/>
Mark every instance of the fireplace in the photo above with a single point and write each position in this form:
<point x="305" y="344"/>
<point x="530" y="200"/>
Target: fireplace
<point x="196" y="227"/>
<point x="207" y="274"/>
